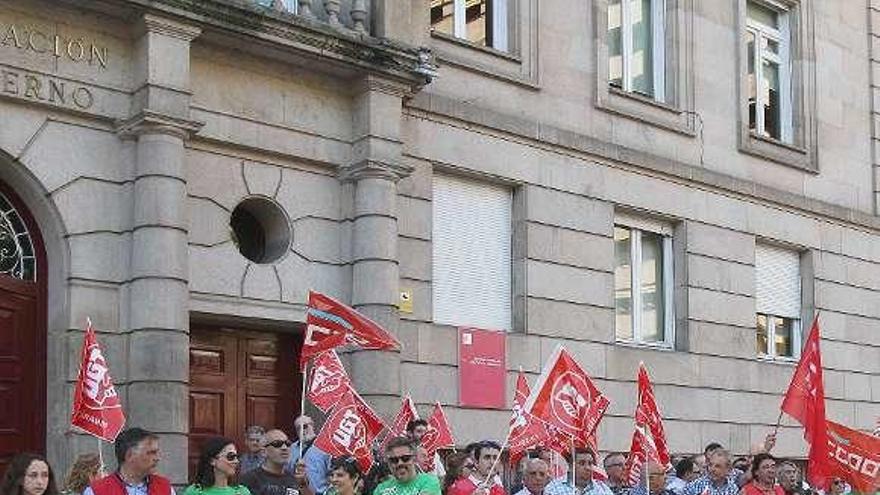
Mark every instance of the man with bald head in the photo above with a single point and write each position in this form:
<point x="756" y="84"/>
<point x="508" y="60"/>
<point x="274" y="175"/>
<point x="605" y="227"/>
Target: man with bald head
<point x="270" y="478"/>
<point x="535" y="477"/>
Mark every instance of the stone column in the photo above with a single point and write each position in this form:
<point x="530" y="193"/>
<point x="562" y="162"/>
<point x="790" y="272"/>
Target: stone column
<point x="375" y="170"/>
<point x="158" y="292"/>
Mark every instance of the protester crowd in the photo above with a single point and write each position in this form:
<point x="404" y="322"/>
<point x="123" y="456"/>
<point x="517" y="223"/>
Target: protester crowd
<point x="272" y="464"/>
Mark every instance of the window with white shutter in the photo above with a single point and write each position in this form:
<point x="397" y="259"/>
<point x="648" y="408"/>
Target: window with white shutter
<point x="471" y="253"/>
<point x="778" y="301"/>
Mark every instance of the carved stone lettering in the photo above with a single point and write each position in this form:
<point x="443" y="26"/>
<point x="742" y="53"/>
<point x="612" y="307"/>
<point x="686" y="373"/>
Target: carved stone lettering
<point x="40" y="40"/>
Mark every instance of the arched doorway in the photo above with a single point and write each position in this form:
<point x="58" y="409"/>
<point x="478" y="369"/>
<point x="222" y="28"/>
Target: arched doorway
<point x="22" y="330"/>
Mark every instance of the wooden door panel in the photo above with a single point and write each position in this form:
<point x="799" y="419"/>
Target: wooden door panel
<point x="21" y="387"/>
<point x="240" y="378"/>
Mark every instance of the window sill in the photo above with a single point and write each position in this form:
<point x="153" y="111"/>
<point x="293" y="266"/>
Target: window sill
<point x="518" y="69"/>
<point x="656" y="346"/>
<point x="473" y="46"/>
<point x="777" y="151"/>
<point x="783" y="360"/>
<point x="645" y="109"/>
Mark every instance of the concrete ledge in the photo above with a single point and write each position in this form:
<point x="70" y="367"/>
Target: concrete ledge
<point x="568" y="140"/>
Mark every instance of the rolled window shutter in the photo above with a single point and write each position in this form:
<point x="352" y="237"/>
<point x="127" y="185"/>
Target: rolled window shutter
<point x="778" y="281"/>
<point x="471" y="253"/>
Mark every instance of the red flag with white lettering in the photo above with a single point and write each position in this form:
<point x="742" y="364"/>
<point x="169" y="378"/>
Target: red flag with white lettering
<point x="648" y="415"/>
<point x="328" y="381"/>
<point x="805" y="402"/>
<point x="347" y="432"/>
<point x="855" y="457"/>
<point x="406" y="414"/>
<point x="331" y="324"/>
<point x="567" y="398"/>
<point x="437" y="436"/>
<point x="526" y="431"/>
<point x="641" y="450"/>
<point x="96" y="406"/>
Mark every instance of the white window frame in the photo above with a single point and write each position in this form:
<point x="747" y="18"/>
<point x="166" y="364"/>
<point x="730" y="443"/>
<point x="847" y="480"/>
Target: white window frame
<point x="782" y="37"/>
<point x="770" y="352"/>
<point x="636" y="226"/>
<point x="500" y="35"/>
<point x="658" y="47"/>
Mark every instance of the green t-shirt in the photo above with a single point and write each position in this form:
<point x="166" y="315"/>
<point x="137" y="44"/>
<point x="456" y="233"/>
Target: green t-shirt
<point x="214" y="490"/>
<point x="422" y="483"/>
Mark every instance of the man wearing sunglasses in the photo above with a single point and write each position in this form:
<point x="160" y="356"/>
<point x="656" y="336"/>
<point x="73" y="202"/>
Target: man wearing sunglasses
<point x="400" y="454"/>
<point x="270" y="478"/>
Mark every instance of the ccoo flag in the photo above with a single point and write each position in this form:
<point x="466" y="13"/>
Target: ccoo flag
<point x="96" y="406"/>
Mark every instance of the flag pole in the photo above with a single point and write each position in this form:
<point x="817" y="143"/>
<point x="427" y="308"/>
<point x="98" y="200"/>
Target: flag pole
<point x="573" y="479"/>
<point x="302" y="408"/>
<point x="100" y="458"/>
<point x="778" y="422"/>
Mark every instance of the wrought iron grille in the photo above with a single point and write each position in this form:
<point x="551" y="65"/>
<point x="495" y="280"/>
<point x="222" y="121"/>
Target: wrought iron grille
<point x="17" y="257"/>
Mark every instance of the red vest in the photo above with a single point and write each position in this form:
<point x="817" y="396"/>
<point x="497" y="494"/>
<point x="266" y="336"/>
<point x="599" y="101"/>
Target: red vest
<point x="113" y="485"/>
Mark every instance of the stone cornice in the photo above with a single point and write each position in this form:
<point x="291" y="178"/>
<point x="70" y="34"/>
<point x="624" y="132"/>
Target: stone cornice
<point x="168" y="27"/>
<point x="374" y="169"/>
<point x="304" y="36"/>
<point x="150" y="122"/>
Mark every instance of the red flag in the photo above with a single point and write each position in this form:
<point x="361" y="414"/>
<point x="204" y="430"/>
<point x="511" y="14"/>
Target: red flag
<point x="437" y="436"/>
<point x="96" y="406"/>
<point x="347" y="432"/>
<point x="805" y="402"/>
<point x="648" y="415"/>
<point x="406" y="414"/>
<point x="567" y="398"/>
<point x="328" y="381"/>
<point x="373" y="421"/>
<point x="332" y="324"/>
<point x="855" y="457"/>
<point x="641" y="450"/>
<point x="526" y="431"/>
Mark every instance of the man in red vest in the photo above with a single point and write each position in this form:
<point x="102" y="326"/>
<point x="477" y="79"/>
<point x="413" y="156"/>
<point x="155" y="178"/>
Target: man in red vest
<point x="137" y="455"/>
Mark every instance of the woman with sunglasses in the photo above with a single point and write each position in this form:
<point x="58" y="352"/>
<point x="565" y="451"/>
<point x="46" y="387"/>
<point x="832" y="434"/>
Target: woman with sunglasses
<point x="345" y="476"/>
<point x="215" y="473"/>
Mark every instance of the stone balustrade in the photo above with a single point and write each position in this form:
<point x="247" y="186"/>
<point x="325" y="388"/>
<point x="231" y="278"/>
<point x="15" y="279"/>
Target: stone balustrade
<point x="345" y="14"/>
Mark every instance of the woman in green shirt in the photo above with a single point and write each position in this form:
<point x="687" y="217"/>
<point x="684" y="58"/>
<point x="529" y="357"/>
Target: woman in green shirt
<point x="215" y="473"/>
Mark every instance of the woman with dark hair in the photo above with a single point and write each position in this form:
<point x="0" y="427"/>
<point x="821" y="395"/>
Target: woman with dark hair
<point x="28" y="474"/>
<point x="216" y="470"/>
<point x="458" y="465"/>
<point x="763" y="482"/>
<point x="86" y="468"/>
<point x="345" y="476"/>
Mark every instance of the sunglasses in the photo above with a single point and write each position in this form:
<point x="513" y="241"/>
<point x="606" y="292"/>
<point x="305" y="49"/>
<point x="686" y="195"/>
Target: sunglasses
<point x="231" y="456"/>
<point x="279" y="443"/>
<point x="399" y="459"/>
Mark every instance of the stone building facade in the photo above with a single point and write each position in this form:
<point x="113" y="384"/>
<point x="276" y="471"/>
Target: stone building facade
<point x="185" y="172"/>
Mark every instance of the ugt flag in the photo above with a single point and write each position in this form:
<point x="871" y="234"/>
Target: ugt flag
<point x="805" y="402"/>
<point x="331" y="324"/>
<point x="437" y="436"/>
<point x="349" y="431"/>
<point x="328" y="381"/>
<point x="568" y="399"/>
<point x="406" y="414"/>
<point x="96" y="406"/>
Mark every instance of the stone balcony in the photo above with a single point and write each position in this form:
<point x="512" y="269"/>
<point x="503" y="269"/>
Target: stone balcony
<point x="353" y="15"/>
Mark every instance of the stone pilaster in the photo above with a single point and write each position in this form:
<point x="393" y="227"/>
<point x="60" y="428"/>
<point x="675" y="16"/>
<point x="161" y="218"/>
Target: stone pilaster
<point x="375" y="170"/>
<point x="158" y="292"/>
<point x="874" y="64"/>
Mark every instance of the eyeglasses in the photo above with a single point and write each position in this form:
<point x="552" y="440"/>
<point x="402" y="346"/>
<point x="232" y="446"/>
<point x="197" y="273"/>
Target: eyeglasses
<point x="837" y="482"/>
<point x="399" y="459"/>
<point x="279" y="443"/>
<point x="231" y="456"/>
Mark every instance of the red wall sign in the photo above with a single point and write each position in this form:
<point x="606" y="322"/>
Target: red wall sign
<point x="482" y="365"/>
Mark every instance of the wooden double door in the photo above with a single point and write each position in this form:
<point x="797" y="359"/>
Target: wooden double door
<point x="240" y="378"/>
